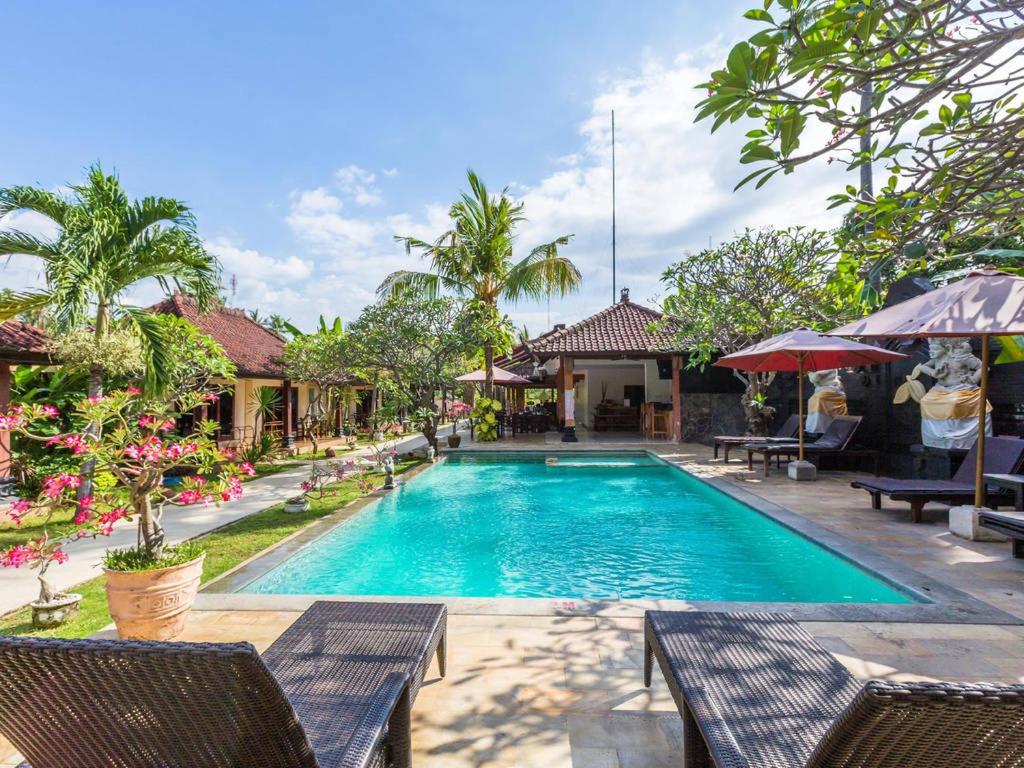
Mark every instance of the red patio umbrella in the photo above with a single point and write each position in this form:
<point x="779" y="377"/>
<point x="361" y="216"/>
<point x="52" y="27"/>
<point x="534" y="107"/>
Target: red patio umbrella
<point x="986" y="303"/>
<point x="801" y="351"/>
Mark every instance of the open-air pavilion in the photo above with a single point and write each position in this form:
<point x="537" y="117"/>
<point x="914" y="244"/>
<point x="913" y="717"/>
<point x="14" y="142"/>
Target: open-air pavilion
<point x="607" y="370"/>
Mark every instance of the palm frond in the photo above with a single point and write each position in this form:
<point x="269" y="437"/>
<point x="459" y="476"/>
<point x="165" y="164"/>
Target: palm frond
<point x="13" y="303"/>
<point x="542" y="272"/>
<point x="155" y="353"/>
<point x="41" y="201"/>
<point x="408" y="281"/>
<point x="13" y="242"/>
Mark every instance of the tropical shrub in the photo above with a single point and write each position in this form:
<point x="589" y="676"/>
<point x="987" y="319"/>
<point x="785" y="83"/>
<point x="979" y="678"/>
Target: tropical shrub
<point x="485" y="416"/>
<point x="136" y="449"/>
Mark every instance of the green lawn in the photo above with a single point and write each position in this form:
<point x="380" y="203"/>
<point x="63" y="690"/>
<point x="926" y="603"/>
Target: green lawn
<point x="30" y="528"/>
<point x="225" y="548"/>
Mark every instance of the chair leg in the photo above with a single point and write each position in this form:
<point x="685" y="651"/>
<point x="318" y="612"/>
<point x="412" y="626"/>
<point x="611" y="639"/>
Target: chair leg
<point x="916" y="511"/>
<point x="1018" y="548"/>
<point x="442" y="653"/>
<point x="767" y="463"/>
<point x="750" y="461"/>
<point x="716" y="451"/>
<point x="695" y="749"/>
<point x="876" y="500"/>
<point x="399" y="738"/>
<point x="648" y="663"/>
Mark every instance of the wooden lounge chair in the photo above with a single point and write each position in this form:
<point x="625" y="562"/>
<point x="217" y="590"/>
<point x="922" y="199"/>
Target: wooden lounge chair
<point x="787" y="433"/>
<point x="1009" y="524"/>
<point x="835" y="440"/>
<point x="1003" y="455"/>
<point x="334" y="690"/>
<point x="756" y="691"/>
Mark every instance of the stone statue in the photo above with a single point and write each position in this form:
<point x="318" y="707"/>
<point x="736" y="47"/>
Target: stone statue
<point x="949" y="410"/>
<point x="828" y="400"/>
<point x="389" y="472"/>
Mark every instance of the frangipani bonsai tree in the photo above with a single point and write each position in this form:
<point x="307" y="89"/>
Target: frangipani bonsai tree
<point x="135" y="451"/>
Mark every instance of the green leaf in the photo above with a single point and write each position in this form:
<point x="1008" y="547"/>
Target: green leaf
<point x="756" y="14"/>
<point x="962" y="99"/>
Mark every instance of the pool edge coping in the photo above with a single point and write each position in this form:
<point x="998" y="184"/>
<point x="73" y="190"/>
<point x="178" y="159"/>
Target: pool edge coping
<point x="947" y="604"/>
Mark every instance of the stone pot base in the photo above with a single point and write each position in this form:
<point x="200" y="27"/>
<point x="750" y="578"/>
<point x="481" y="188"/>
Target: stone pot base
<point x="296" y="506"/>
<point x="802" y="470"/>
<point x="54" y="613"/>
<point x="153" y="605"/>
<point x="963" y="522"/>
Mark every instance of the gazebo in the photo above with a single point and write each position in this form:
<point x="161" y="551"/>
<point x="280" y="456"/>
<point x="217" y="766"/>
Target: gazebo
<point x="604" y="368"/>
<point x="20" y="344"/>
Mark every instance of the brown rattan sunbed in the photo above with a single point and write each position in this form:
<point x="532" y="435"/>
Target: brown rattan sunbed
<point x="787" y="433"/>
<point x="756" y="691"/>
<point x="334" y="690"/>
<point x="835" y="440"/>
<point x="1003" y="455"/>
<point x="1010" y="524"/>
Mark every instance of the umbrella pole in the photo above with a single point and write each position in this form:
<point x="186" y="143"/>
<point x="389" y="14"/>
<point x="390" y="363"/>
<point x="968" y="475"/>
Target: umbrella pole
<point x="800" y="402"/>
<point x="979" y="468"/>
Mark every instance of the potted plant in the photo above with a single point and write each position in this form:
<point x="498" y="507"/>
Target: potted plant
<point x="458" y="410"/>
<point x="485" y="416"/>
<point x="151" y="586"/>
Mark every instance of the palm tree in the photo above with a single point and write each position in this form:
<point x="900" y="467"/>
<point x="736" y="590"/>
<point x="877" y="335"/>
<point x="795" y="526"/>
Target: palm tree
<point x="474" y="259"/>
<point x="105" y="246"/>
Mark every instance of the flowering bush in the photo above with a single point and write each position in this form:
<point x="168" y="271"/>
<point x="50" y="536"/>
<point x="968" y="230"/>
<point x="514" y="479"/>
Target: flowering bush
<point x="485" y="416"/>
<point x="458" y="410"/>
<point x="323" y="474"/>
<point x="136" y="448"/>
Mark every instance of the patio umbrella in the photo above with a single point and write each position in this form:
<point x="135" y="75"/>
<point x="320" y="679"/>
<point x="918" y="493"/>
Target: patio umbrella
<point x="986" y="303"/>
<point x="801" y="351"/>
<point x="498" y="376"/>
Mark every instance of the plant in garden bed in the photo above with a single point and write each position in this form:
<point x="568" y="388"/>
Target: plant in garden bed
<point x="458" y="410"/>
<point x="134" y="451"/>
<point x="485" y="417"/>
<point x="316" y="486"/>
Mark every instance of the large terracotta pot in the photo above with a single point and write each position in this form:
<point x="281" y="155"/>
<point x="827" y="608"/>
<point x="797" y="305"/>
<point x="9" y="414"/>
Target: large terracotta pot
<point x="153" y="605"/>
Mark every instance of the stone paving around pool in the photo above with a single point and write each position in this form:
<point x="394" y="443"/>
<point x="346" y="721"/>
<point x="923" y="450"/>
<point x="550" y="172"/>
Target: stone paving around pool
<point x="527" y="691"/>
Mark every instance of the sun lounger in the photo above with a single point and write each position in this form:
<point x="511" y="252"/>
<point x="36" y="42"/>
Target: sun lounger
<point x="334" y="690"/>
<point x="1003" y="455"/>
<point x="1009" y="524"/>
<point x="756" y="691"/>
<point x="835" y="440"/>
<point x="787" y="433"/>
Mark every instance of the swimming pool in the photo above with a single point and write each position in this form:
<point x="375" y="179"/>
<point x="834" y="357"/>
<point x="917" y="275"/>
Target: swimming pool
<point x="622" y="526"/>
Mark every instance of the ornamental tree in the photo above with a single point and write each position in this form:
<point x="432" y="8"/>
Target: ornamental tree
<point x="758" y="285"/>
<point x="931" y="91"/>
<point x="421" y="345"/>
<point x="325" y="359"/>
<point x="129" y="461"/>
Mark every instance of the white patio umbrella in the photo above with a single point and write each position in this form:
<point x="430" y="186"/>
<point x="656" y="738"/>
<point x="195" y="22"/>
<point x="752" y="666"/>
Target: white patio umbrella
<point x="986" y="303"/>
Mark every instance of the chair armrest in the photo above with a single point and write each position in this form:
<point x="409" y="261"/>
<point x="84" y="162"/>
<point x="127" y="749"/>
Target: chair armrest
<point x="387" y="719"/>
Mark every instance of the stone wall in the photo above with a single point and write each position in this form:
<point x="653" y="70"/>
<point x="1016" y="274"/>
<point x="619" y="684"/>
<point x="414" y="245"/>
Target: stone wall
<point x="706" y="414"/>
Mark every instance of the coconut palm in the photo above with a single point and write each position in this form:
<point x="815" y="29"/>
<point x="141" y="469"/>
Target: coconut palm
<point x="106" y="245"/>
<point x="474" y="259"/>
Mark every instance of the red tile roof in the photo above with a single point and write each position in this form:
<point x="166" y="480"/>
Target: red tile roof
<point x="620" y="329"/>
<point x="255" y="351"/>
<point x="21" y="342"/>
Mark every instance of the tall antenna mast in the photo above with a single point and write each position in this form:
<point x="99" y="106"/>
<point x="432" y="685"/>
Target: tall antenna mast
<point x="614" y="294"/>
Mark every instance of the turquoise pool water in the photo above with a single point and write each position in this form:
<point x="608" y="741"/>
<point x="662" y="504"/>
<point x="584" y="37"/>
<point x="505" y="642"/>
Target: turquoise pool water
<point x="619" y="526"/>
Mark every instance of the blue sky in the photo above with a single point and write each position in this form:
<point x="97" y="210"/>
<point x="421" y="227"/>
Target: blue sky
<point x="306" y="134"/>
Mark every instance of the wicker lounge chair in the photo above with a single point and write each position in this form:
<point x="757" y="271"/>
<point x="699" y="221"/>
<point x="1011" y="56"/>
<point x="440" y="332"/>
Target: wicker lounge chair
<point x="787" y="433"/>
<point x="334" y="690"/>
<point x="835" y="440"/>
<point x="756" y="691"/>
<point x="1003" y="455"/>
<point x="1010" y="524"/>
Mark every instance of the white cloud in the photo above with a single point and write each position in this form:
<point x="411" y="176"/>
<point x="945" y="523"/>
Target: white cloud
<point x="390" y="172"/>
<point x="358" y="184"/>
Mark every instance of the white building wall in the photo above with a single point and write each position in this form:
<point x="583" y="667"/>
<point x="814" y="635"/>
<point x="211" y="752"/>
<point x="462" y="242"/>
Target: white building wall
<point x="658" y="390"/>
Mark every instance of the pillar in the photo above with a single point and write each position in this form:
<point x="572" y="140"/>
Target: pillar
<point x="5" y="435"/>
<point x="339" y="417"/>
<point x="567" y="389"/>
<point x="677" y="400"/>
<point x="287" y="435"/>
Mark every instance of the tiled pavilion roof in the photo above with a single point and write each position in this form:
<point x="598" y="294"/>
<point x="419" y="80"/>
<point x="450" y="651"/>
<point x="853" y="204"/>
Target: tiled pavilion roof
<point x="23" y="343"/>
<point x="255" y="351"/>
<point x="618" y="330"/>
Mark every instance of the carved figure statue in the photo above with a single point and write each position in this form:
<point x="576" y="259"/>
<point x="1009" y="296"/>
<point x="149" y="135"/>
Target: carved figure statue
<point x="949" y="410"/>
<point x="828" y="400"/>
